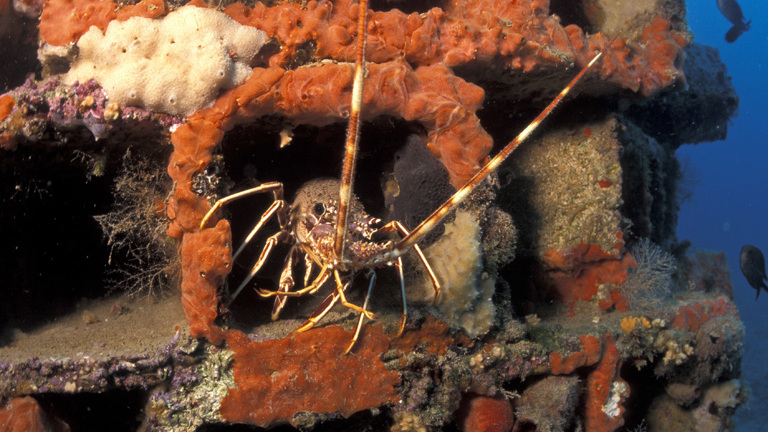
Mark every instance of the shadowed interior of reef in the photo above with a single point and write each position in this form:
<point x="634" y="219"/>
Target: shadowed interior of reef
<point x="253" y="156"/>
<point x="118" y="411"/>
<point x="54" y="252"/>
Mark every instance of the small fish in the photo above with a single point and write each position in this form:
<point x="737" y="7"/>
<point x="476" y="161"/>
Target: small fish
<point x="732" y="11"/>
<point x="752" y="264"/>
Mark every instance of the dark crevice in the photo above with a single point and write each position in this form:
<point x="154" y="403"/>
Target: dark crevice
<point x="115" y="410"/>
<point x="407" y="6"/>
<point x="581" y="13"/>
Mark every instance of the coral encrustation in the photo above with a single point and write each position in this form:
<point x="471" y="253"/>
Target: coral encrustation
<point x="501" y="35"/>
<point x="580" y="272"/>
<point x="28" y="110"/>
<point x="605" y="391"/>
<point x="410" y="76"/>
<point x="305" y="372"/>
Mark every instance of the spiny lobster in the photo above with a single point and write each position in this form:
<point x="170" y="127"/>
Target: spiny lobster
<point x="329" y="226"/>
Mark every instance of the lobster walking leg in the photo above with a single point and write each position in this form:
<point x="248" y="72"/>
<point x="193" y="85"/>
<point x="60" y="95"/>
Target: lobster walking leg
<point x="271" y="242"/>
<point x="276" y="207"/>
<point x="396" y="225"/>
<point x="277" y="192"/>
<point x="323" y="309"/>
<point x="371" y="283"/>
<point x="340" y="287"/>
<point x="286" y="282"/>
<point x="321" y="278"/>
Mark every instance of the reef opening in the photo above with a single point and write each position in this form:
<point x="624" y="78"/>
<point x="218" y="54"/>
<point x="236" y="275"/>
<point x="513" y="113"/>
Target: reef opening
<point x="406" y="6"/>
<point x="115" y="410"/>
<point x="18" y="44"/>
<point x="259" y="152"/>
<point x="584" y="13"/>
<point x="52" y="252"/>
<point x="54" y="249"/>
<point x="645" y="386"/>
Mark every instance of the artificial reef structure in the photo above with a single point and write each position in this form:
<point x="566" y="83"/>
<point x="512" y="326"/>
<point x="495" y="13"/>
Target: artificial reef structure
<point x="568" y="303"/>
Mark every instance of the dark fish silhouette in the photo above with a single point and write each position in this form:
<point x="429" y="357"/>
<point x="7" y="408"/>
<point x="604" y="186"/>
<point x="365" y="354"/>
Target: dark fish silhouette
<point x="732" y="11"/>
<point x="752" y="264"/>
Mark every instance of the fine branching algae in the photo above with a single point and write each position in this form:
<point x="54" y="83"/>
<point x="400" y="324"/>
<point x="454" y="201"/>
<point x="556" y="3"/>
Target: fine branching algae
<point x="144" y="259"/>
<point x="651" y="281"/>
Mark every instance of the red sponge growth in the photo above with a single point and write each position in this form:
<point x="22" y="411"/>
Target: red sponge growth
<point x="577" y="274"/>
<point x="205" y="256"/>
<point x="432" y="336"/>
<point x="7" y="103"/>
<point x="6" y="106"/>
<point x="588" y="356"/>
<point x="64" y="21"/>
<point x="479" y="413"/>
<point x="692" y="316"/>
<point x="606" y="392"/>
<point x="24" y="414"/>
<point x="277" y="379"/>
<point x="431" y="95"/>
<point x="144" y="9"/>
<point x="207" y="260"/>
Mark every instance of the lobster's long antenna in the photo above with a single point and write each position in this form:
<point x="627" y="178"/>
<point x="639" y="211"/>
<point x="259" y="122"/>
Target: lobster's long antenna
<point x="429" y="223"/>
<point x="353" y="136"/>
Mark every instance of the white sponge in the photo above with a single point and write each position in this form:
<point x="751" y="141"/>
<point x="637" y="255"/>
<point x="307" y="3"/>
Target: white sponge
<point x="177" y="64"/>
<point x="466" y="299"/>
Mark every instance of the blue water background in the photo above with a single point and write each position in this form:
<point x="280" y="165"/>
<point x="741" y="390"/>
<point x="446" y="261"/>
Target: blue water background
<point x="729" y="181"/>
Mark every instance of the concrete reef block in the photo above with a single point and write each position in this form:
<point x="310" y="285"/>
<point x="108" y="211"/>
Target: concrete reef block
<point x="707" y="271"/>
<point x="697" y="112"/>
<point x="710" y="413"/>
<point x="549" y="405"/>
<point x="564" y="187"/>
<point x="629" y="17"/>
<point x="650" y="195"/>
<point x="593" y="182"/>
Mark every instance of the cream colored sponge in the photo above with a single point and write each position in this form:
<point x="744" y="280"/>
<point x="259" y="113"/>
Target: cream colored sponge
<point x="177" y="64"/>
<point x="466" y="299"/>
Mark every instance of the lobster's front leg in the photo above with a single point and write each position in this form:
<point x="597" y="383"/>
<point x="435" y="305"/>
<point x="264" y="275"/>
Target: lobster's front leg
<point x="271" y="242"/>
<point x="278" y="207"/>
<point x="277" y="192"/>
<point x="340" y="288"/>
<point x="371" y="283"/>
<point x="286" y="282"/>
<point x="323" y="309"/>
<point x="321" y="278"/>
<point x="400" y="228"/>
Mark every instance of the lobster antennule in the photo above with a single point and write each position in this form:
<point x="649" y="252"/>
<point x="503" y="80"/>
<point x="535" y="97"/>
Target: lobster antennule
<point x="353" y="136"/>
<point x="438" y="215"/>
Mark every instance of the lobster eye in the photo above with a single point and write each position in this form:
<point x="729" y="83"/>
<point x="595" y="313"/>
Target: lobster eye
<point x="318" y="209"/>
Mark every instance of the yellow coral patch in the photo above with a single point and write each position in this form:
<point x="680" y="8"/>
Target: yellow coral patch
<point x="630" y="323"/>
